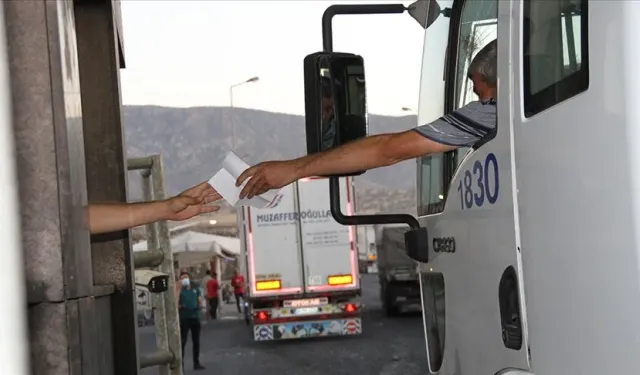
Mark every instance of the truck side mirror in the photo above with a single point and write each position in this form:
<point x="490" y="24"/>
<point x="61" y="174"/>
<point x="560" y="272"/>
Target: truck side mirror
<point x="335" y="101"/>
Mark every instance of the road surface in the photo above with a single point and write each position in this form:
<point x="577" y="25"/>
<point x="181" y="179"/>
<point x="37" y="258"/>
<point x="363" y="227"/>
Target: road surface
<point x="388" y="346"/>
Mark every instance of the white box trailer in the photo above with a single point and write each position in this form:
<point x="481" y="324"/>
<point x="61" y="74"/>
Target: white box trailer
<point x="366" y="241"/>
<point x="300" y="265"/>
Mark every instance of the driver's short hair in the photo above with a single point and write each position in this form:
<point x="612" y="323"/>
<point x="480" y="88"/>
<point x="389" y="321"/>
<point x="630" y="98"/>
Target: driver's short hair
<point x="486" y="63"/>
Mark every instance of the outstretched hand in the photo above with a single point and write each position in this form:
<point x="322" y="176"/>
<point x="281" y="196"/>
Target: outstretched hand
<point x="192" y="202"/>
<point x="266" y="176"/>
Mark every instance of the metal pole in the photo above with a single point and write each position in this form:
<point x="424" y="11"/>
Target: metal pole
<point x="139" y="163"/>
<point x="168" y="327"/>
<point x="159" y="358"/>
<point x="233" y="125"/>
<point x="14" y="347"/>
<point x="148" y="196"/>
<point x="158" y="300"/>
<point x="148" y="259"/>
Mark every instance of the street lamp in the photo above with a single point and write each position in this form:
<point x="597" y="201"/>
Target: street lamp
<point x="233" y="126"/>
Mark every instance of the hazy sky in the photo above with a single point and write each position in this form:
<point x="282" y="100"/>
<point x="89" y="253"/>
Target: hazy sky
<point x="188" y="53"/>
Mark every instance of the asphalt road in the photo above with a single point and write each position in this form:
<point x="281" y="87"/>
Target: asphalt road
<point x="387" y="346"/>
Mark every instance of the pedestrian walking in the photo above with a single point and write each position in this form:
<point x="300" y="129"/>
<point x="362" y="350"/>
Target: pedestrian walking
<point x="213" y="288"/>
<point x="237" y="282"/>
<point x="189" y="304"/>
<point x="206" y="278"/>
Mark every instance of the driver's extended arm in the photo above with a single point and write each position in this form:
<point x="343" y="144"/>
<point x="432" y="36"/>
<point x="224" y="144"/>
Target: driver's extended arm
<point x="460" y="128"/>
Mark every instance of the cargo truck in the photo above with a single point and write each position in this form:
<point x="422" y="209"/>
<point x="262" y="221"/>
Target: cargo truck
<point x="397" y="273"/>
<point x="300" y="265"/>
<point x="367" y="248"/>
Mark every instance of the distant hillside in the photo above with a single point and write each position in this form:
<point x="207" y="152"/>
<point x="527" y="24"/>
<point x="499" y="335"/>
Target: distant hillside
<point x="194" y="141"/>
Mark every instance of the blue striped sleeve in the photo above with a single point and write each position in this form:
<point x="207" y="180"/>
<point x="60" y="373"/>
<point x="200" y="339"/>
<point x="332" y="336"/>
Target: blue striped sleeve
<point x="463" y="127"/>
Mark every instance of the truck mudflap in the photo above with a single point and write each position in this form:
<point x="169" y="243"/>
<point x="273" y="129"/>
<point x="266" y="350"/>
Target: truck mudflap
<point x="306" y="329"/>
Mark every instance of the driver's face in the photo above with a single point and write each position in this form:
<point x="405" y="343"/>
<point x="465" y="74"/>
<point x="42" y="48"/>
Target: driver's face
<point x="480" y="87"/>
<point x="475" y="79"/>
<point x="327" y="108"/>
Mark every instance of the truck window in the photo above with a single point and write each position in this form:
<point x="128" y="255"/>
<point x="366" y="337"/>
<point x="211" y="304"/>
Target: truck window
<point x="555" y="52"/>
<point x="430" y="107"/>
<point x="477" y="26"/>
<point x="431" y="185"/>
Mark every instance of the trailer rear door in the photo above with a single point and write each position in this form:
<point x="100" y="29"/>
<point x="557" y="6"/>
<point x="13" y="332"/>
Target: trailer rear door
<point x="274" y="256"/>
<point x="329" y="251"/>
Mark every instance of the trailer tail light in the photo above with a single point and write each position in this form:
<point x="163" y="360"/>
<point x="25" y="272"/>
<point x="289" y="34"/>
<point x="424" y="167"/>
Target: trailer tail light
<point x="340" y="279"/>
<point x="268" y="285"/>
<point x="261" y="315"/>
<point x="349" y="307"/>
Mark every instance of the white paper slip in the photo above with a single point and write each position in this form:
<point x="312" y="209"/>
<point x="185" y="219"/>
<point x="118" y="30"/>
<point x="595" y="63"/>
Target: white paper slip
<point x="224" y="181"/>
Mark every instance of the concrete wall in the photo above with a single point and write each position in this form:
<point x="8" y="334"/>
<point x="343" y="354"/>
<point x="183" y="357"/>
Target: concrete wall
<point x="64" y="65"/>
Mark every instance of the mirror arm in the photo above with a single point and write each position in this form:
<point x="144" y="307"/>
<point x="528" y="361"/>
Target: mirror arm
<point x="416" y="239"/>
<point x="336" y="212"/>
<point x="333" y="10"/>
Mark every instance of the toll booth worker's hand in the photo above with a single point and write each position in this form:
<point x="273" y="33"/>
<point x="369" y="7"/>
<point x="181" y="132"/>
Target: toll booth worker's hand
<point x="192" y="202"/>
<point x="266" y="176"/>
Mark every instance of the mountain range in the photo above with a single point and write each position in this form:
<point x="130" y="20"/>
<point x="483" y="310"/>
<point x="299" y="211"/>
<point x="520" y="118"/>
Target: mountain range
<point x="194" y="141"/>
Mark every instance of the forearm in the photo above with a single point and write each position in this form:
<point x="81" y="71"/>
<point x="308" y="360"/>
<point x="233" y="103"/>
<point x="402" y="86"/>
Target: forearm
<point x="363" y="154"/>
<point x="110" y="217"/>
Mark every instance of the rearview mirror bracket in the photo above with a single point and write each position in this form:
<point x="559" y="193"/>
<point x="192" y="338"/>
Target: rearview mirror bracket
<point x="416" y="239"/>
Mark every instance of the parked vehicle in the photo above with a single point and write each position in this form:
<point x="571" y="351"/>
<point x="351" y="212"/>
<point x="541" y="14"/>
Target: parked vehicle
<point x="397" y="273"/>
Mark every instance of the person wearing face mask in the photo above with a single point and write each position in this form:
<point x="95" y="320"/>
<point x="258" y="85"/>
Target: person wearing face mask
<point x="189" y="302"/>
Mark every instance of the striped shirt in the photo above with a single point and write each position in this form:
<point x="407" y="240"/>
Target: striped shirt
<point x="464" y="126"/>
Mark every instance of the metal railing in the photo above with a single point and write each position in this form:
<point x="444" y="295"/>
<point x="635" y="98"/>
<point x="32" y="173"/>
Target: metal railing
<point x="168" y="354"/>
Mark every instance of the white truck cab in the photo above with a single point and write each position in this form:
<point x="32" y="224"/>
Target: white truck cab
<point x="545" y="208"/>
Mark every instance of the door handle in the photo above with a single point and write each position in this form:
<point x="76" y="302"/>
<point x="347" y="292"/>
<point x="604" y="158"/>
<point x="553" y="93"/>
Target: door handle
<point x="510" y="317"/>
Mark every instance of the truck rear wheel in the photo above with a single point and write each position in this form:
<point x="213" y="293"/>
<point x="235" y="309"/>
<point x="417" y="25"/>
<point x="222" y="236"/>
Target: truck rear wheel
<point x="391" y="309"/>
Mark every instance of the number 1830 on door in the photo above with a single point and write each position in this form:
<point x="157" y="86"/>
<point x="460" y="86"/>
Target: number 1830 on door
<point x="480" y="184"/>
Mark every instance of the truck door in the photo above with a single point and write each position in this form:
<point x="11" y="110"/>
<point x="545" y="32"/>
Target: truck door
<point x="274" y="258"/>
<point x="576" y="141"/>
<point x="328" y="248"/>
<point x="474" y="323"/>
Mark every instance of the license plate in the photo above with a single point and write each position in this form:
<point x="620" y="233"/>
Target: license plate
<point x="306" y="302"/>
<point x="306" y="310"/>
